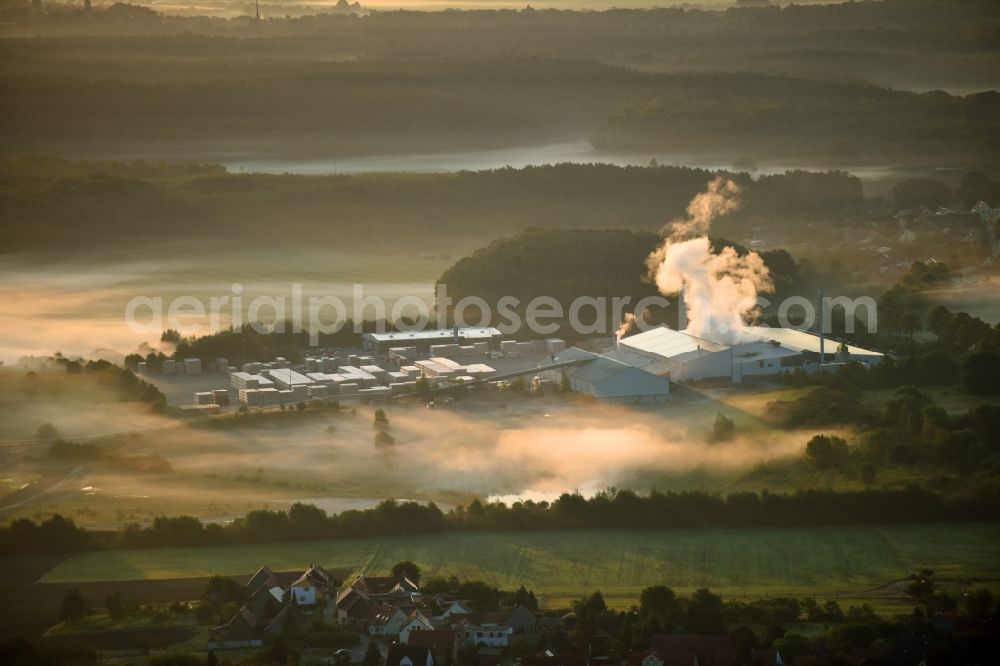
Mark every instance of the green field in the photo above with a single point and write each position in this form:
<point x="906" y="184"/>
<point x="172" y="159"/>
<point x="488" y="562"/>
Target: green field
<point x="806" y="561"/>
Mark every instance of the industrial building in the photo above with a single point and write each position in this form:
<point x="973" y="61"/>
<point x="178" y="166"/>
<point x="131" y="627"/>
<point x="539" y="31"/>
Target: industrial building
<point x="608" y="379"/>
<point x="422" y="340"/>
<point x="263" y="384"/>
<point x="806" y="342"/>
<point x="767" y="352"/>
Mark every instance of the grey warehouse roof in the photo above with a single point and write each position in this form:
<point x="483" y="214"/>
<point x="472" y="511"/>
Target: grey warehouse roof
<point x="444" y="334"/>
<point x="600" y="369"/>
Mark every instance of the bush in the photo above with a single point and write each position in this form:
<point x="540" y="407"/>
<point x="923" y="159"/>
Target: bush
<point x="175" y="660"/>
<point x="822" y="406"/>
<point x="723" y="430"/>
<point x="981" y="373"/>
<point x="113" y="604"/>
<point x="827" y="452"/>
<point x="928" y="192"/>
<point x="73" y="606"/>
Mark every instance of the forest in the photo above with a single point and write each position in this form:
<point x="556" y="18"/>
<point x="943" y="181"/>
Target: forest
<point x="806" y="119"/>
<point x="58" y="204"/>
<point x="830" y="85"/>
<point x="567" y="264"/>
<point x="914" y="43"/>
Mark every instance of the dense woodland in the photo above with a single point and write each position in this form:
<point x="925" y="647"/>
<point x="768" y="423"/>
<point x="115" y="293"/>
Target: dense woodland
<point x="60" y="205"/>
<point x="922" y="43"/>
<point x="602" y="263"/>
<point x="344" y="108"/>
<point x="806" y="119"/>
<point x="819" y="83"/>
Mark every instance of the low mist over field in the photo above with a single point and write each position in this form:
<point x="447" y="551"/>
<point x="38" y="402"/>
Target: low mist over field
<point x="535" y="449"/>
<point x="76" y="302"/>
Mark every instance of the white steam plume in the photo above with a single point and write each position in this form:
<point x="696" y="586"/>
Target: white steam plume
<point x="720" y="289"/>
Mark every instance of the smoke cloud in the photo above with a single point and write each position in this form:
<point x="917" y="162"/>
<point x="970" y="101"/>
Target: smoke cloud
<point x="628" y="323"/>
<point x="719" y="289"/>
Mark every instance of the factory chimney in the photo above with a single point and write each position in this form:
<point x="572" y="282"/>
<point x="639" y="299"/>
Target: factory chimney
<point x="822" y="331"/>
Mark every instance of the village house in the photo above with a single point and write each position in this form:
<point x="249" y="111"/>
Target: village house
<point x="456" y="608"/>
<point x="486" y="634"/>
<point x="263" y="578"/>
<point x="239" y="632"/>
<point x="415" y="622"/>
<point x="520" y="619"/>
<point x="360" y="603"/>
<point x="409" y="655"/>
<point x="385" y="586"/>
<point x="351" y="607"/>
<point x="493" y="629"/>
<point x="312" y="587"/>
<point x="442" y="642"/>
<point x="272" y="607"/>
<point x="384" y="607"/>
<point x="304" y="591"/>
<point x="266" y="601"/>
<point x="289" y="619"/>
<point x="383" y="620"/>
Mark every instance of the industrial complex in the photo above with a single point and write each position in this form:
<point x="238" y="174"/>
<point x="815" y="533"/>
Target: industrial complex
<point x="633" y="370"/>
<point x="765" y="352"/>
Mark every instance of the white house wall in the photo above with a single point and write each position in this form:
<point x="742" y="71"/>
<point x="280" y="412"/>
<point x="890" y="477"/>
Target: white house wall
<point x="305" y="596"/>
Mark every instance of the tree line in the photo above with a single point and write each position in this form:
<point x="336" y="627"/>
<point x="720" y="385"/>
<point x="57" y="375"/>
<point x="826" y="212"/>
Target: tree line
<point x="67" y="203"/>
<point x="799" y="118"/>
<point x="612" y="508"/>
<point x="97" y="373"/>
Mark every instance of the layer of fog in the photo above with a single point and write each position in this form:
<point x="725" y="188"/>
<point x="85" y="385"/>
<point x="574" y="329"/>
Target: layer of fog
<point x="76" y="305"/>
<point x="494" y="446"/>
<point x="547" y="447"/>
<point x="573" y="152"/>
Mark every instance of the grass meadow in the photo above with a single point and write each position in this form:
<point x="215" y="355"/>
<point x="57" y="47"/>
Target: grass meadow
<point x="801" y="561"/>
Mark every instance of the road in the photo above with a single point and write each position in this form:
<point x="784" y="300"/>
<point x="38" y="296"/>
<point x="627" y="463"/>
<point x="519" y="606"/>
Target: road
<point x="60" y="489"/>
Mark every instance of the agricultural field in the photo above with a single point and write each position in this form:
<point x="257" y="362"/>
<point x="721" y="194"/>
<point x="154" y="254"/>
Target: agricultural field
<point x="809" y="561"/>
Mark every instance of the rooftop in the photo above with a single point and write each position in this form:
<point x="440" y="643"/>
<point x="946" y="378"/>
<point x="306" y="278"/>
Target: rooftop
<point x="761" y="351"/>
<point x="288" y="376"/>
<point x="444" y="334"/>
<point x="794" y="339"/>
<point x="667" y="342"/>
